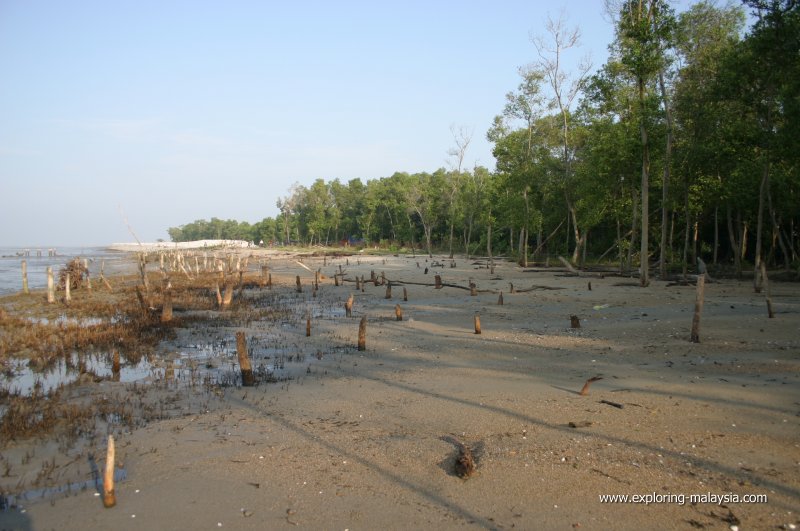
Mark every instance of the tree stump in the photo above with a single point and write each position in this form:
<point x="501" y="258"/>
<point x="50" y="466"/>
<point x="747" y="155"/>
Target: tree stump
<point x="574" y="322"/>
<point x="25" y="289"/>
<point x="398" y="312"/>
<point x="109" y="498"/>
<point x="500" y="299"/>
<point x="765" y="281"/>
<point x="405" y="294"/>
<point x="438" y="282"/>
<point x="51" y="290"/>
<point x="348" y="306"/>
<point x="362" y="334"/>
<point x="698" y="308"/>
<point x="166" y="308"/>
<point x="298" y="284"/>
<point x="477" y="322"/>
<point x="248" y="378"/>
<point x="115" y="365"/>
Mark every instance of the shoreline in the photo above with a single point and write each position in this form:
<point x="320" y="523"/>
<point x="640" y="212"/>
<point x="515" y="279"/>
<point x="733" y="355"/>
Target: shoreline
<point x="182" y="246"/>
<point x="369" y="439"/>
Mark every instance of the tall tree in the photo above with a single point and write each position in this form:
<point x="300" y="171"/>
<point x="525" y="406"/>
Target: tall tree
<point x="565" y="88"/>
<point x="643" y="28"/>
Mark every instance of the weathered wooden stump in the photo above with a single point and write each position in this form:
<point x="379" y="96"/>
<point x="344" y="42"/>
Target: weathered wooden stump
<point x="362" y="334"/>
<point x="698" y="308"/>
<point x="109" y="498"/>
<point x="500" y="299"/>
<point x="574" y="322"/>
<point x="348" y="306"/>
<point x="765" y="281"/>
<point x="166" y="308"/>
<point x="51" y="289"/>
<point x="25" y="289"/>
<point x="248" y="378"/>
<point x="398" y="312"/>
<point x="477" y="322"/>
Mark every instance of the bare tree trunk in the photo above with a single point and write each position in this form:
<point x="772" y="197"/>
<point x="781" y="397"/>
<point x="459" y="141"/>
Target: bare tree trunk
<point x="619" y="247"/>
<point x="685" y="257"/>
<point x="579" y="238"/>
<point x="776" y="231"/>
<point x="665" y="184"/>
<point x="762" y="192"/>
<point x="644" y="259"/>
<point x="716" y="233"/>
<point x="743" y="229"/>
<point x="489" y="244"/>
<point x="737" y="259"/>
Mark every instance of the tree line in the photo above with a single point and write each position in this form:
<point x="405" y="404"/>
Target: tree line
<point x="683" y="145"/>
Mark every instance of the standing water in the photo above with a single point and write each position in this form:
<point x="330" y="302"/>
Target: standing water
<point x="40" y="258"/>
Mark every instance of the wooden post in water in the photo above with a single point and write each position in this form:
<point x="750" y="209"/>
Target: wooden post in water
<point x="473" y="289"/>
<point x="363" y="285"/>
<point x="388" y="291"/>
<point x="248" y="379"/>
<point x="227" y="295"/>
<point x="500" y="299"/>
<point x="109" y="498"/>
<point x="308" y="324"/>
<point x="115" y="365"/>
<point x="765" y="281"/>
<point x="405" y="294"/>
<point x="299" y="286"/>
<point x="698" y="308"/>
<point x="348" y="306"/>
<point x="67" y="293"/>
<point x="166" y="309"/>
<point x="477" y="320"/>
<point x="358" y="283"/>
<point x="398" y="312"/>
<point x="25" y="289"/>
<point x="438" y="282"/>
<point x="574" y="322"/>
<point x="362" y="334"/>
<point x="88" y="277"/>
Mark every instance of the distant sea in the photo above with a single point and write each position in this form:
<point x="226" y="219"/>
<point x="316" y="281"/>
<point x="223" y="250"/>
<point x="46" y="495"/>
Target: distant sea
<point x="38" y="260"/>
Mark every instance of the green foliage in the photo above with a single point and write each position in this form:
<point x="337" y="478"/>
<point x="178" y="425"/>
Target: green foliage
<point x="735" y="110"/>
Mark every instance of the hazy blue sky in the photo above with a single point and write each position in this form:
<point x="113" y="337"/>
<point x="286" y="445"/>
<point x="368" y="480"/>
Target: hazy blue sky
<point x="173" y="111"/>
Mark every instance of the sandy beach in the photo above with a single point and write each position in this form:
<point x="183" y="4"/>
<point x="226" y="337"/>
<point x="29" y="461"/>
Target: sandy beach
<point x="369" y="439"/>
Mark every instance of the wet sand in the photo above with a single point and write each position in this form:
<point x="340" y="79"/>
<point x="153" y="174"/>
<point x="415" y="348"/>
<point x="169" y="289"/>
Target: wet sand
<point x="368" y="440"/>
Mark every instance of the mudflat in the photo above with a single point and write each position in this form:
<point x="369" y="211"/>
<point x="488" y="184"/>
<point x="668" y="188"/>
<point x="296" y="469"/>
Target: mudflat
<point x="696" y="435"/>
